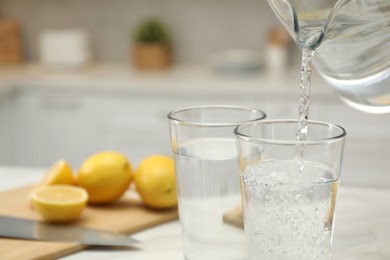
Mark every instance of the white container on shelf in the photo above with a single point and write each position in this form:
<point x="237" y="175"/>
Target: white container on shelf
<point x="276" y="57"/>
<point x="276" y="50"/>
<point x="65" y="48"/>
<point x="236" y="61"/>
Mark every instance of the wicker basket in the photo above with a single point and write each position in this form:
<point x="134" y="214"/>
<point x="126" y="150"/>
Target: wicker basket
<point x="152" y="56"/>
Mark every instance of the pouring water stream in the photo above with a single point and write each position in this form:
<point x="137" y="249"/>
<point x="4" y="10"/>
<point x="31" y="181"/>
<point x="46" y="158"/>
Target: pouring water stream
<point x="309" y="30"/>
<point x="351" y="39"/>
<point x="328" y="25"/>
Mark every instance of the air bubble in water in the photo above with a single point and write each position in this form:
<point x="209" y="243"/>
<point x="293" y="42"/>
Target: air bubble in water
<point x="301" y="199"/>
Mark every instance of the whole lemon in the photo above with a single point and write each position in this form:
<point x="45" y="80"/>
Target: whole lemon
<point x="105" y="176"/>
<point x="155" y="182"/>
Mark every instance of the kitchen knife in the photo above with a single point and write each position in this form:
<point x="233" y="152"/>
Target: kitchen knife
<point x="12" y="227"/>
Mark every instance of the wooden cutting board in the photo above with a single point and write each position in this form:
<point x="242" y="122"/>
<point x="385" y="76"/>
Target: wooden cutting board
<point x="127" y="215"/>
<point x="234" y="217"/>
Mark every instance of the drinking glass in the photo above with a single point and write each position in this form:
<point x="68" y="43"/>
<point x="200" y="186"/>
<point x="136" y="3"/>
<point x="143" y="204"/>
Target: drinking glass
<point x="207" y="178"/>
<point x="289" y="187"/>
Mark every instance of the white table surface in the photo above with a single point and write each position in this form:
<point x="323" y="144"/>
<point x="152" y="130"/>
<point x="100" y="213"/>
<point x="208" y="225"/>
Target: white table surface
<point x="362" y="229"/>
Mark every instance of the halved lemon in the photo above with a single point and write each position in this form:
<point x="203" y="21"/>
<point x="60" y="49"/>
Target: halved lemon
<point x="59" y="173"/>
<point x="59" y="203"/>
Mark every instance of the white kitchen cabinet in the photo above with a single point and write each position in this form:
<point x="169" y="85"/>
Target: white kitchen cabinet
<point x="40" y="123"/>
<point x="53" y="125"/>
<point x="137" y="125"/>
<point x="6" y="129"/>
<point x="367" y="149"/>
<point x="69" y="124"/>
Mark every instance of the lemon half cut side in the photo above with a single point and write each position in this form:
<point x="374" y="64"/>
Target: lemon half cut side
<point x="59" y="173"/>
<point x="59" y="203"/>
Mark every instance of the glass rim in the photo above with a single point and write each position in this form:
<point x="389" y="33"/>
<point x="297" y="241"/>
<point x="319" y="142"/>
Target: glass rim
<point x="336" y="137"/>
<point x="171" y="116"/>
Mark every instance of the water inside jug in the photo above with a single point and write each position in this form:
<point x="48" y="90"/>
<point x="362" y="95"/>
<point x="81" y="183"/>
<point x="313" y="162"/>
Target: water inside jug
<point x="351" y="39"/>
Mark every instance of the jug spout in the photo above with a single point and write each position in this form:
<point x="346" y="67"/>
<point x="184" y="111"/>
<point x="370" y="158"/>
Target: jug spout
<point x="305" y="20"/>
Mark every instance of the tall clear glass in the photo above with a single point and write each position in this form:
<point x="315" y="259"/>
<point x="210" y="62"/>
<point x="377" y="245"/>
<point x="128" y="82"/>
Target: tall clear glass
<point x="289" y="210"/>
<point x="207" y="177"/>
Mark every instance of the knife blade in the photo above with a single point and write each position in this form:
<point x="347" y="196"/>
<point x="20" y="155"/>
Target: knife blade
<point x="12" y="227"/>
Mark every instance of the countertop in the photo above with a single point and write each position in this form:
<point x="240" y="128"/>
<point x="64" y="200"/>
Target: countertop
<point x="187" y="79"/>
<point x="362" y="229"/>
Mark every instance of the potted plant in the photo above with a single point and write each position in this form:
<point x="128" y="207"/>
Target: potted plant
<point x="152" y="46"/>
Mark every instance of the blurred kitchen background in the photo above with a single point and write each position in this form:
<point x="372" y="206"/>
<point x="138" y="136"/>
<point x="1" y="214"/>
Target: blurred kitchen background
<point x="78" y="77"/>
<point x="198" y="28"/>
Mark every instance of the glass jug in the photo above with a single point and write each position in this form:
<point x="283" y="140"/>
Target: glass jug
<point x="351" y="39"/>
